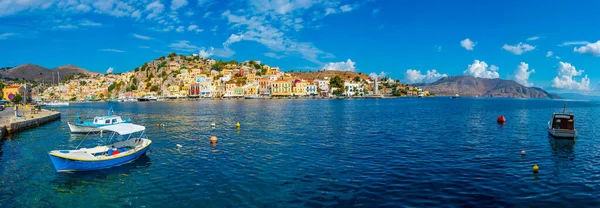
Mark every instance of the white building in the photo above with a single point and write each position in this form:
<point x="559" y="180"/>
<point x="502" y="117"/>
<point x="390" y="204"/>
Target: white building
<point x="311" y="89"/>
<point x="352" y="89"/>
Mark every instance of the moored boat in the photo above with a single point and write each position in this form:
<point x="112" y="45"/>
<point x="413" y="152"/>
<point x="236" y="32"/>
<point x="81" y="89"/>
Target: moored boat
<point x="562" y="125"/>
<point x="455" y="96"/>
<point x="99" y="121"/>
<point x="56" y="103"/>
<point x="253" y="97"/>
<point x="107" y="156"/>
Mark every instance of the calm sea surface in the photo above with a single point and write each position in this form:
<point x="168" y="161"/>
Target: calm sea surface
<point x="337" y="153"/>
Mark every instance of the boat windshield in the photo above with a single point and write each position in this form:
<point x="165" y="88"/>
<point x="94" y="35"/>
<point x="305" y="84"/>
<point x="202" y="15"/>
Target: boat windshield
<point x="563" y="121"/>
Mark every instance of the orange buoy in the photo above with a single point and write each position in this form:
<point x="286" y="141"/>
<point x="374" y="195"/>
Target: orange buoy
<point x="501" y="119"/>
<point x="213" y="139"/>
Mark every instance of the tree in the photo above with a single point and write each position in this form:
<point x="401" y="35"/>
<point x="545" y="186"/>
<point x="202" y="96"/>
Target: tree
<point x="18" y="98"/>
<point x="154" y="88"/>
<point x="82" y="83"/>
<point x="336" y="82"/>
<point x="172" y="54"/>
<point x="357" y="79"/>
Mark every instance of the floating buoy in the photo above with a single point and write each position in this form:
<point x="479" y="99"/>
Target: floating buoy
<point x="213" y="139"/>
<point x="535" y="168"/>
<point x="237" y="125"/>
<point x="522" y="152"/>
<point x="178" y="145"/>
<point x="213" y="124"/>
<point x="160" y="125"/>
<point x="501" y="119"/>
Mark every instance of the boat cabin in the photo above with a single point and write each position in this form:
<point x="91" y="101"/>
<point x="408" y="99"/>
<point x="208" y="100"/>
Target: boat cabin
<point x="563" y="121"/>
<point x="104" y="120"/>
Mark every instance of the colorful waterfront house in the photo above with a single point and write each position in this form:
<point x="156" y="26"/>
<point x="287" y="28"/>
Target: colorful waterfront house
<point x="251" y="90"/>
<point x="229" y="89"/>
<point x="273" y="78"/>
<point x="352" y="89"/>
<point x="299" y="88"/>
<point x="311" y="90"/>
<point x="195" y="90"/>
<point x="281" y="88"/>
<point x="238" y="92"/>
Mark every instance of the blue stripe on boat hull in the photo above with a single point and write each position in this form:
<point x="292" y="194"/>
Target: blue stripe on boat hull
<point x="66" y="165"/>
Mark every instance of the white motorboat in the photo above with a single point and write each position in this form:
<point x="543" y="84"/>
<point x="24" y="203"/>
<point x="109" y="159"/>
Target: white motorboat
<point x="100" y="121"/>
<point x="456" y="96"/>
<point x="562" y="125"/>
<point x="57" y="103"/>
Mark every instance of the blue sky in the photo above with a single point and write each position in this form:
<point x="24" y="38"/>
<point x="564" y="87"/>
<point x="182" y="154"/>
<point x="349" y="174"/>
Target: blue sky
<point x="403" y="39"/>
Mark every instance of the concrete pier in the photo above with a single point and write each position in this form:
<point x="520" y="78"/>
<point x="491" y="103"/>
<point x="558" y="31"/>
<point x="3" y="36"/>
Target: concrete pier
<point x="11" y="124"/>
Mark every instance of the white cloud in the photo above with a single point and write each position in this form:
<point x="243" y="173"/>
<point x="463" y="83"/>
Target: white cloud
<point x="533" y="38"/>
<point x="109" y="70"/>
<point x="549" y="53"/>
<point x="138" y="36"/>
<point x="346" y="8"/>
<point x="574" y="43"/>
<point x="273" y="55"/>
<point x="519" y="48"/>
<point x="481" y="69"/>
<point x="565" y="80"/>
<point x="145" y="47"/>
<point x="176" y="4"/>
<point x="412" y="76"/>
<point x="154" y="9"/>
<point x="184" y="45"/>
<point x="340" y="66"/>
<point x="207" y="14"/>
<point x="67" y="26"/>
<point x="557" y="57"/>
<point x="4" y="36"/>
<point x="522" y="73"/>
<point x="194" y="28"/>
<point x="111" y="50"/>
<point x="206" y="53"/>
<point x="590" y="48"/>
<point x="189" y="13"/>
<point x="204" y="2"/>
<point x="468" y="44"/>
<point x="374" y="75"/>
<point x="180" y="29"/>
<point x="89" y="23"/>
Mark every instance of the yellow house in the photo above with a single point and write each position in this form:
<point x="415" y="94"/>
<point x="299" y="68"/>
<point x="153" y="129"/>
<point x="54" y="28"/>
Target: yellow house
<point x="281" y="88"/>
<point x="299" y="88"/>
<point x="14" y="90"/>
<point x="251" y="90"/>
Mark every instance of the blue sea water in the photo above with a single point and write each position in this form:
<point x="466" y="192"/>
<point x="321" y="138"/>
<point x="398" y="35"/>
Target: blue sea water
<point x="316" y="153"/>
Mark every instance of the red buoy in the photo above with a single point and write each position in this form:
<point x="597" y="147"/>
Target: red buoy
<point x="501" y="119"/>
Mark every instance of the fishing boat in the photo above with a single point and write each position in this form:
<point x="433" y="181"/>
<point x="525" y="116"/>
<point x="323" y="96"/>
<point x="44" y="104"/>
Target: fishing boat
<point x="143" y="99"/>
<point x="57" y="103"/>
<point x="99" y="121"/>
<point x="253" y="97"/>
<point x="128" y="149"/>
<point x="562" y="125"/>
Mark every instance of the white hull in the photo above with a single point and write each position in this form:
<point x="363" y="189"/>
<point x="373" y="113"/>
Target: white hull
<point x="562" y="133"/>
<point x="57" y="104"/>
<point x="81" y="129"/>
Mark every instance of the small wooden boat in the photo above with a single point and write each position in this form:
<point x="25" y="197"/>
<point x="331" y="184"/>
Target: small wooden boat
<point x="107" y="156"/>
<point x="562" y="125"/>
<point x="99" y="121"/>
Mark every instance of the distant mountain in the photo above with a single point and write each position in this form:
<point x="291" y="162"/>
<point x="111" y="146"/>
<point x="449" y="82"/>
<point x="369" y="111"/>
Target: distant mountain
<point x="473" y="86"/>
<point x="576" y="96"/>
<point x="32" y="72"/>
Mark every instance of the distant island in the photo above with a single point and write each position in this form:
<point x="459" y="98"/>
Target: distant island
<point x="482" y="87"/>
<point x="179" y="76"/>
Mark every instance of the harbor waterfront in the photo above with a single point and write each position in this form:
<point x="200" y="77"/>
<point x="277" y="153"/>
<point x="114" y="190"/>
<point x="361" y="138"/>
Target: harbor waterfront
<point x="298" y="153"/>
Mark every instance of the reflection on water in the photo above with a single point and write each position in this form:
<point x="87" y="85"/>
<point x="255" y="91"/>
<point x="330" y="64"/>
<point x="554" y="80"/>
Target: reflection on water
<point x="562" y="148"/>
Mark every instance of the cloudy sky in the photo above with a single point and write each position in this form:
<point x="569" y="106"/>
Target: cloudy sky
<point x="549" y="44"/>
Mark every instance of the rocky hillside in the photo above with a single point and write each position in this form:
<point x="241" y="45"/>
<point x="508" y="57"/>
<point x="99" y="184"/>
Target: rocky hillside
<point x="346" y="75"/>
<point x="472" y="86"/>
<point x="32" y="72"/>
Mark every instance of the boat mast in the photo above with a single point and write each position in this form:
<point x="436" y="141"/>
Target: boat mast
<point x="565" y="107"/>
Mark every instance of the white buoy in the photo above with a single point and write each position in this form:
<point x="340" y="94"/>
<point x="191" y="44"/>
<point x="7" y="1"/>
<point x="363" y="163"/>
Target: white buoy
<point x="523" y="152"/>
<point x="213" y="124"/>
<point x="179" y="146"/>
